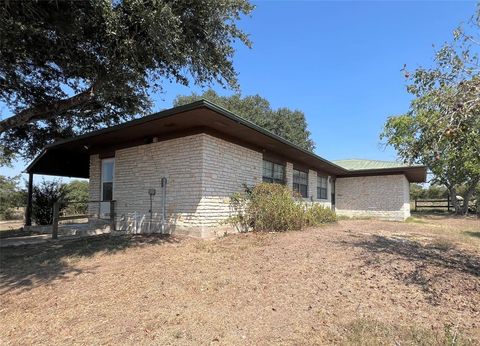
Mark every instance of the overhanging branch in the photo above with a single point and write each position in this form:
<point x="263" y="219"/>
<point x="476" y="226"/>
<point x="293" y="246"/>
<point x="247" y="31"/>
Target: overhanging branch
<point x="46" y="111"/>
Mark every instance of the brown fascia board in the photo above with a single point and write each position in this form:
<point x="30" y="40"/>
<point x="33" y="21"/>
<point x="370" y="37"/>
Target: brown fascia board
<point x="409" y="173"/>
<point x="181" y="109"/>
<point x="226" y="113"/>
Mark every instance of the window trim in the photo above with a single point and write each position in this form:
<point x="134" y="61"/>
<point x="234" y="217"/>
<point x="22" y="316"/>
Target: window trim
<point x="299" y="185"/>
<point x="272" y="178"/>
<point x="320" y="188"/>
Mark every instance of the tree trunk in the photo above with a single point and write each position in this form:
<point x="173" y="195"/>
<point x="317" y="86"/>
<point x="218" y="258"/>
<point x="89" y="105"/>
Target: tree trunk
<point x="453" y="198"/>
<point x="467" y="196"/>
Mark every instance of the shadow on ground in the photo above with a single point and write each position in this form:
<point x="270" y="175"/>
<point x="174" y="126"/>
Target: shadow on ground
<point x="25" y="267"/>
<point x="437" y="254"/>
<point x="431" y="263"/>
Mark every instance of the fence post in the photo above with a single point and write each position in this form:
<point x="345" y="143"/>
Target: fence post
<point x="448" y="202"/>
<point x="56" y="212"/>
<point x="415" y="204"/>
<point x="112" y="216"/>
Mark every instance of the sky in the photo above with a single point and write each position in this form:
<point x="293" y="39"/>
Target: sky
<point x="338" y="62"/>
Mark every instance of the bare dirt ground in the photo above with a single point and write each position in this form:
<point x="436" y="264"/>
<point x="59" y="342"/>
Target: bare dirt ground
<point x="10" y="225"/>
<point x="357" y="282"/>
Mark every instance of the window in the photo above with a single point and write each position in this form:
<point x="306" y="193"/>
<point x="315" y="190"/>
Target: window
<point x="300" y="182"/>
<point x="273" y="172"/>
<point x="322" y="186"/>
<point x="108" y="167"/>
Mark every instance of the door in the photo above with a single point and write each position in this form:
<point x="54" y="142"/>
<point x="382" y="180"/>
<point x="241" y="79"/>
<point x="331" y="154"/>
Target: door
<point x="107" y="188"/>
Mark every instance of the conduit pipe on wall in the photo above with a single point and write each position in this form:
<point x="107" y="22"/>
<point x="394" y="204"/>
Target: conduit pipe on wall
<point x="164" y="203"/>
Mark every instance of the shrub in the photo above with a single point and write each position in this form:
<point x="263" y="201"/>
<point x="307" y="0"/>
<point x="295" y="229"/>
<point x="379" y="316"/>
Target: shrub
<point x="318" y="214"/>
<point x="76" y="195"/>
<point x="44" y="196"/>
<point x="274" y="207"/>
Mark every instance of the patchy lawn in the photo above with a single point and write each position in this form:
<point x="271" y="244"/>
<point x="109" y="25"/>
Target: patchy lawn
<point x="358" y="282"/>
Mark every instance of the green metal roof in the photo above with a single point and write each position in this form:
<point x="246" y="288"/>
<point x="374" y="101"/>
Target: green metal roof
<point x="359" y="164"/>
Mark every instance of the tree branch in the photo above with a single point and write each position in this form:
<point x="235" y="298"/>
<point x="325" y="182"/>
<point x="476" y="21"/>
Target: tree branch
<point x="46" y="111"/>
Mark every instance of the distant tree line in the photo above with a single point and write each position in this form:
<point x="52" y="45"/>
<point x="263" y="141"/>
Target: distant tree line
<point x="417" y="191"/>
<point x="436" y="191"/>
<point x="13" y="198"/>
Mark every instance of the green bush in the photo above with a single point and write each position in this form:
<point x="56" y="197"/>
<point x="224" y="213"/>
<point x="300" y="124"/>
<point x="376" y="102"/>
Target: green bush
<point x="44" y="196"/>
<point x="317" y="215"/>
<point x="273" y="207"/>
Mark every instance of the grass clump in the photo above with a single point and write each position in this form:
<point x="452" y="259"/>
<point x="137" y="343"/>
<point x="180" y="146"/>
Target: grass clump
<point x="274" y="207"/>
<point x="369" y="332"/>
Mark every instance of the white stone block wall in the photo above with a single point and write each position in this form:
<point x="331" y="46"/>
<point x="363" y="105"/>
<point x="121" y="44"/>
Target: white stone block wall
<point x="382" y="196"/>
<point x="312" y="190"/>
<point x="94" y="185"/>
<point x="312" y="185"/>
<point x="289" y="174"/>
<point x="202" y="172"/>
<point x="227" y="167"/>
<point x="140" y="168"/>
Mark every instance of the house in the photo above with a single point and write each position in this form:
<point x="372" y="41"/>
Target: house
<point x="175" y="171"/>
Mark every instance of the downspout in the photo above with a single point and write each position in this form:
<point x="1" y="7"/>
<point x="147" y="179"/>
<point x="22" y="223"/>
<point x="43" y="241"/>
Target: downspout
<point x="28" y="210"/>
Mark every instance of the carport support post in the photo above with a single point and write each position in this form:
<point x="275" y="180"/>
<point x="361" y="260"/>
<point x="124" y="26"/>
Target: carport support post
<point x="28" y="210"/>
<point x="56" y="215"/>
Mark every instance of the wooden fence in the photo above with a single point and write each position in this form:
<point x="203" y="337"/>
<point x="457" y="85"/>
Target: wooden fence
<point x="57" y="217"/>
<point x="435" y="204"/>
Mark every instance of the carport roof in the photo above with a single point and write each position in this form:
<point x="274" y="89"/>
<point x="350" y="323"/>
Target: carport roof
<point x="70" y="157"/>
<point x="362" y="167"/>
<point x="358" y="164"/>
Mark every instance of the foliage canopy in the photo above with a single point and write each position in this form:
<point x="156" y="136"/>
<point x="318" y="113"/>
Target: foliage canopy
<point x="68" y="67"/>
<point x="442" y="128"/>
<point x="284" y="122"/>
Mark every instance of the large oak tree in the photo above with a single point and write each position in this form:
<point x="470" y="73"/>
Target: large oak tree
<point x="67" y="67"/>
<point x="284" y="122"/>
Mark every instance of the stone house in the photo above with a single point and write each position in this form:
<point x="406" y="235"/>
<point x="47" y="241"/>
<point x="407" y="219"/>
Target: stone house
<point x="175" y="171"/>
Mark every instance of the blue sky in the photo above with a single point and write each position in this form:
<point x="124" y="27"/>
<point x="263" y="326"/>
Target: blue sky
<point x="338" y="62"/>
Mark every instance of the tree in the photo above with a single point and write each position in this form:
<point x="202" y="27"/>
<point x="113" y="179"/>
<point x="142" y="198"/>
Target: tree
<point x="416" y="191"/>
<point x="442" y="128"/>
<point x="68" y="67"/>
<point x="76" y="196"/>
<point x="11" y="196"/>
<point x="284" y="122"/>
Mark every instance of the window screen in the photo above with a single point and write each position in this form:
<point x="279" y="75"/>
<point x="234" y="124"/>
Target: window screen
<point x="322" y="187"/>
<point x="300" y="182"/>
<point x="273" y="172"/>
<point x="107" y="179"/>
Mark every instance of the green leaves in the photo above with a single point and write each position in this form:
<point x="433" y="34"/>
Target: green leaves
<point x="442" y="128"/>
<point x="113" y="53"/>
<point x="284" y="122"/>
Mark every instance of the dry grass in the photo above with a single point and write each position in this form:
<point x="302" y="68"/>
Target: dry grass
<point x="358" y="282"/>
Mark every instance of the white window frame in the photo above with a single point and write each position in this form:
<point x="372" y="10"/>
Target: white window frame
<point x="112" y="160"/>
<point x="319" y="187"/>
